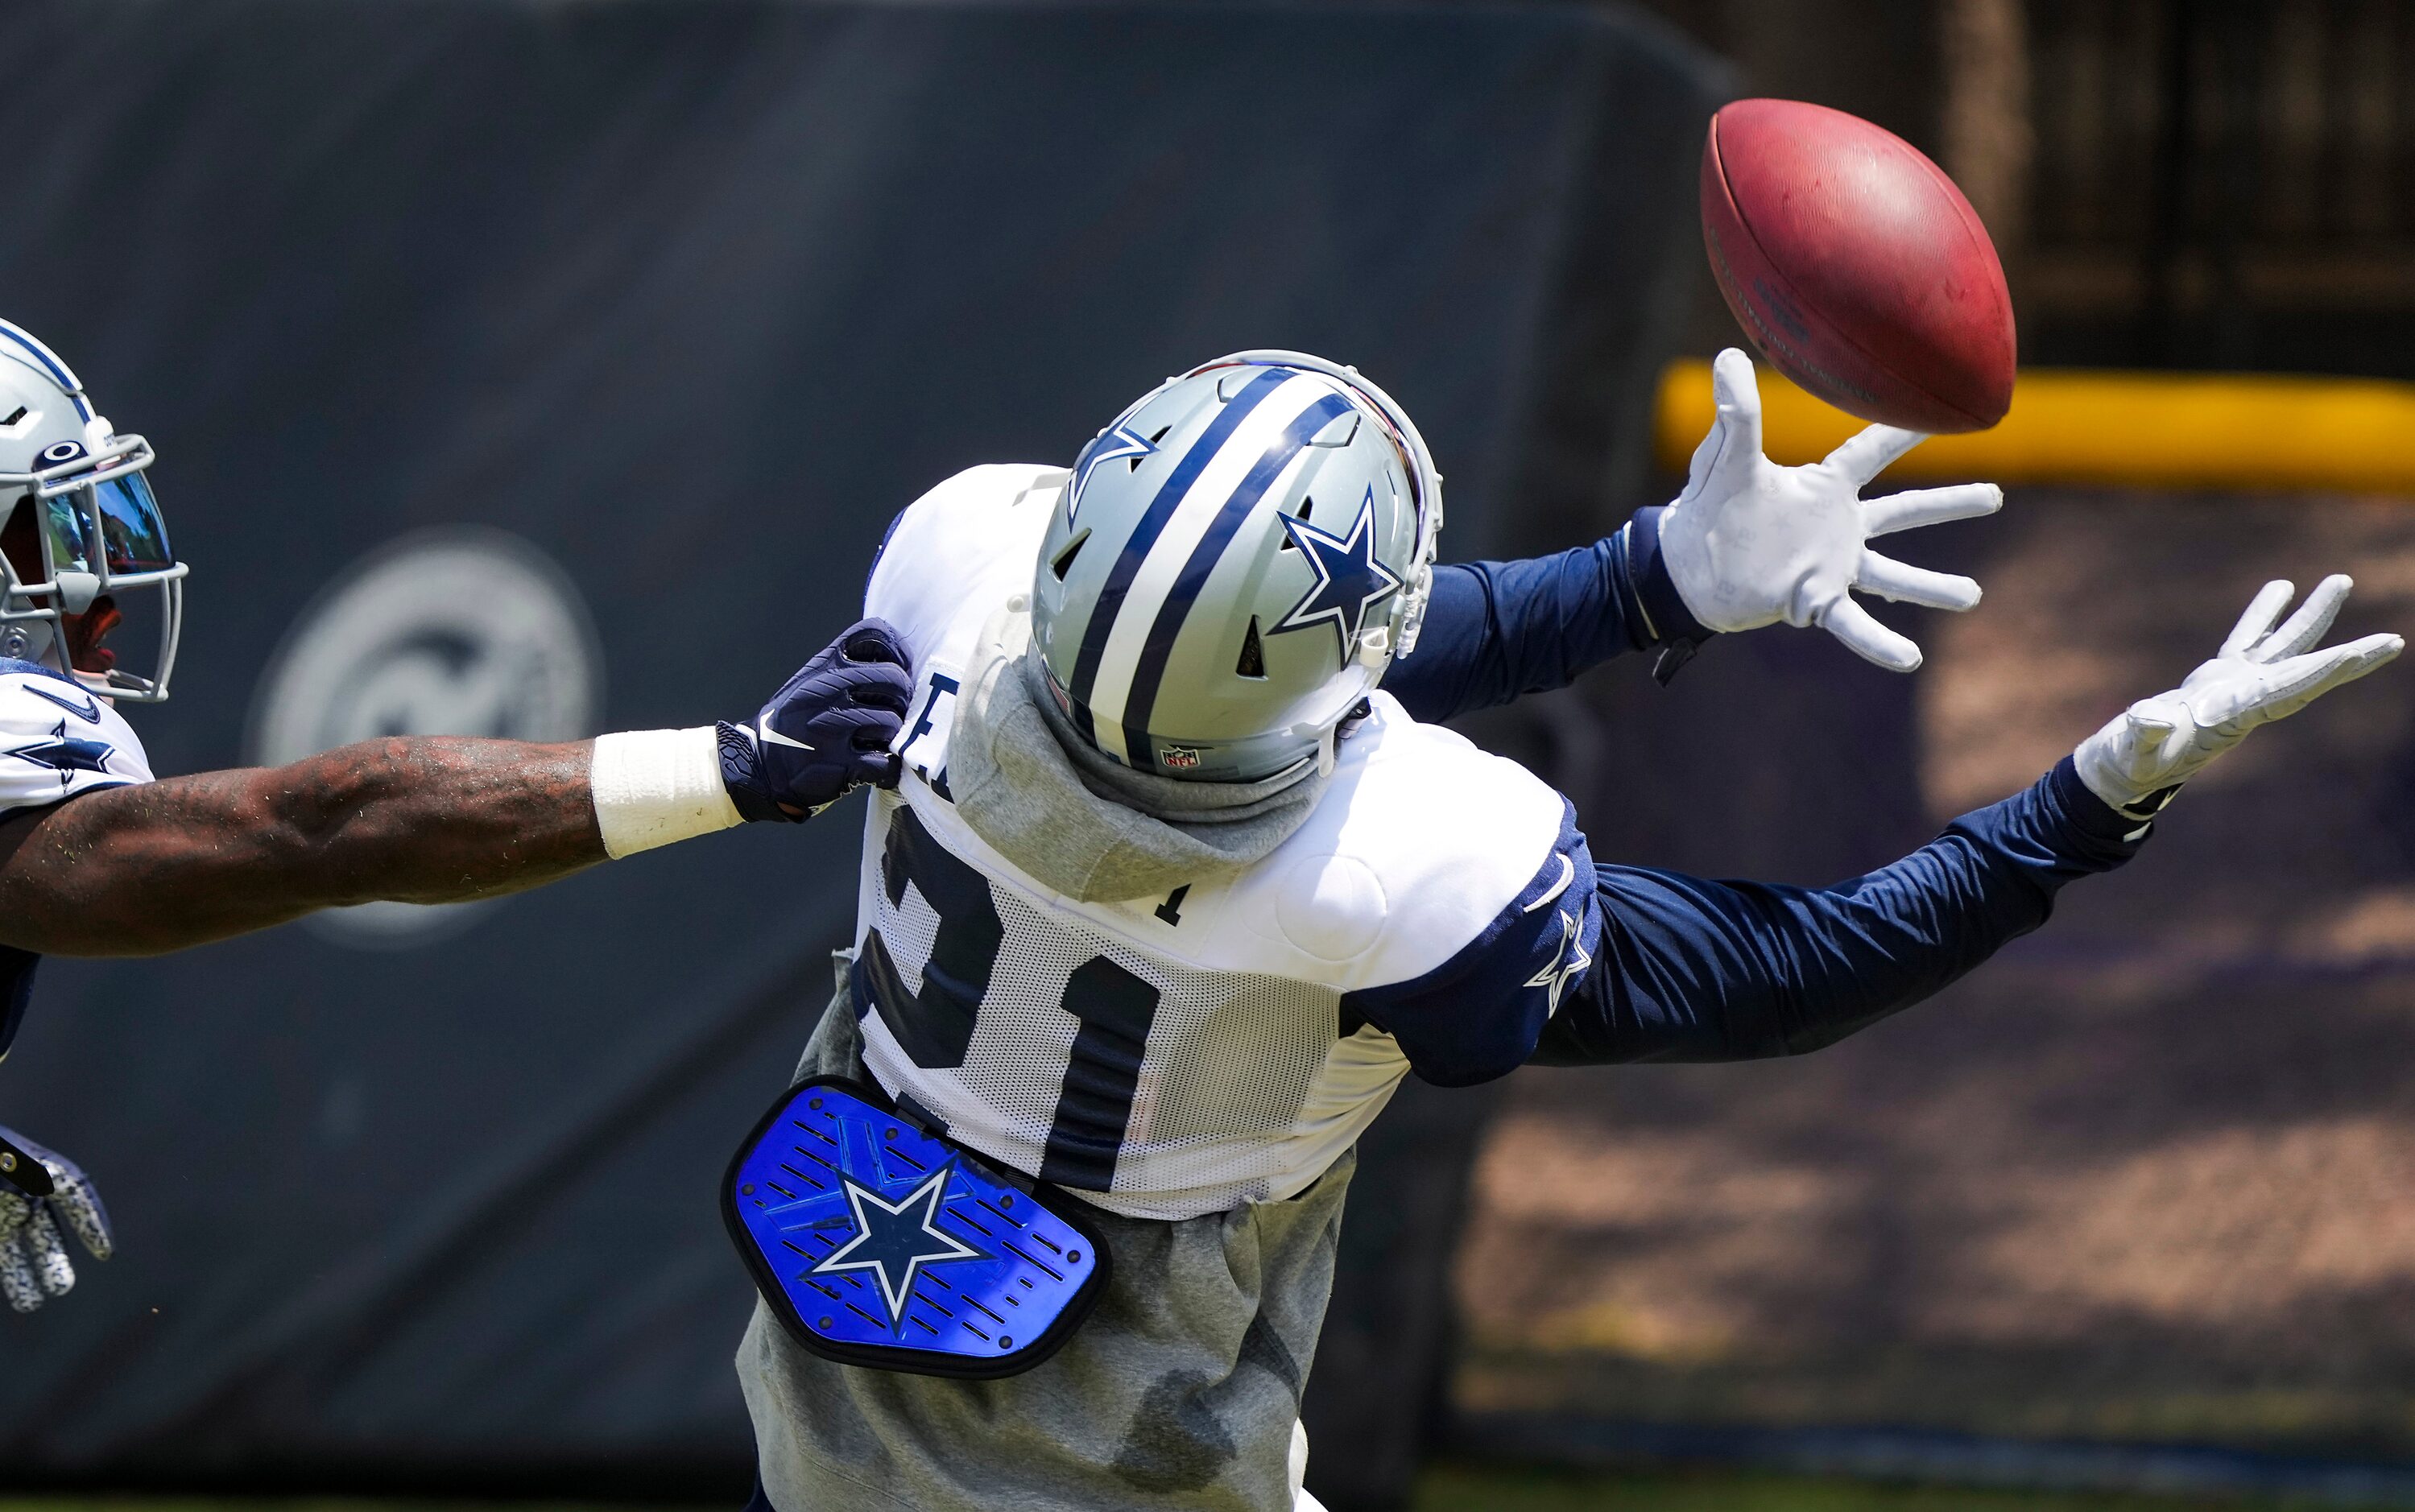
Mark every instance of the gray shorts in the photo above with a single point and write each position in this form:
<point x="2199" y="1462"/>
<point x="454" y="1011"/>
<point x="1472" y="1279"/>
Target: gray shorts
<point x="1180" y="1391"/>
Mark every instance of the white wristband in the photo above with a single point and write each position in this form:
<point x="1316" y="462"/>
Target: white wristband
<point x="658" y="786"/>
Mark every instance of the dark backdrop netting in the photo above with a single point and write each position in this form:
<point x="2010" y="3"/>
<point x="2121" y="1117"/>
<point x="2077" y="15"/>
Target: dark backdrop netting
<point x="692" y="297"/>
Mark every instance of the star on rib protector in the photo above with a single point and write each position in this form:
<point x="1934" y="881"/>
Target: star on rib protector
<point x="904" y="1235"/>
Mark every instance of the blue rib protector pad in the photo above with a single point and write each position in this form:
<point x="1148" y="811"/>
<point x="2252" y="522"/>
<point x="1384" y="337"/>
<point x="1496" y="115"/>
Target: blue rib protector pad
<point x="879" y="1244"/>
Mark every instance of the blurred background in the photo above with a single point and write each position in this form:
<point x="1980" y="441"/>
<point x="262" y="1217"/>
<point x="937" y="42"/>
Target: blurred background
<point x="541" y="367"/>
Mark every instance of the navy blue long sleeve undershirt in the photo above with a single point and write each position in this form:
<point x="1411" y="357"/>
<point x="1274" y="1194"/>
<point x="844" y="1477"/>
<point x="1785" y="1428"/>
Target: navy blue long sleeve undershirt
<point x="1676" y="967"/>
<point x="1692" y="970"/>
<point x="1656" y="966"/>
<point x="1497" y="630"/>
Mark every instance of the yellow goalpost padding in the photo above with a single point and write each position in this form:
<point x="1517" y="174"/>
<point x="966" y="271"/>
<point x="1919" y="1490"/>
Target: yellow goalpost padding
<point x="2109" y="429"/>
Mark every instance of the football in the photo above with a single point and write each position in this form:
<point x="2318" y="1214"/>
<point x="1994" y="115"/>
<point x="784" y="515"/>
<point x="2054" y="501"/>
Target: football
<point x="1856" y="266"/>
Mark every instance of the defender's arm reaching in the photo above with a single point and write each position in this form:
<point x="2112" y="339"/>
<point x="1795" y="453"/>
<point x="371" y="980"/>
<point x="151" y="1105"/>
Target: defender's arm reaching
<point x="139" y="869"/>
<point x="97" y="859"/>
<point x="150" y="867"/>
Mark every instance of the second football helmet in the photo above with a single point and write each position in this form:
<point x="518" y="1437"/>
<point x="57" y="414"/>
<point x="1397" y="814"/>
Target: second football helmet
<point x="1234" y="564"/>
<point x="73" y="491"/>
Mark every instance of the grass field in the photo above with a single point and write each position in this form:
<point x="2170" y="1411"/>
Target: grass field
<point x="1487" y="1491"/>
<point x="1455" y="1490"/>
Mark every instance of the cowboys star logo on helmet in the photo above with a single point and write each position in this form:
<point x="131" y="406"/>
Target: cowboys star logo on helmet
<point x="1165" y="579"/>
<point x="1118" y="443"/>
<point x="1349" y="581"/>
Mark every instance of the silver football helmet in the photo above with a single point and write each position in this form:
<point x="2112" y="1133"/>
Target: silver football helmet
<point x="72" y="489"/>
<point x="1234" y="562"/>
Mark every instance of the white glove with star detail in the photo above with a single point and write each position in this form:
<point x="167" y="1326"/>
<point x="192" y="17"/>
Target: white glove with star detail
<point x="2138" y="760"/>
<point x="1751" y="543"/>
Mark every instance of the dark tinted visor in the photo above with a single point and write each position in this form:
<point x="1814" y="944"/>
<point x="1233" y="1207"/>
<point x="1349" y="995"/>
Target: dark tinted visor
<point x="132" y="532"/>
<point x="136" y="536"/>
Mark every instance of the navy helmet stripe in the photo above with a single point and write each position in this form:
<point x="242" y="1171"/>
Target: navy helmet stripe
<point x="1140" y="751"/>
<point x="1158" y="648"/>
<point x="51" y="365"/>
<point x="1153" y="521"/>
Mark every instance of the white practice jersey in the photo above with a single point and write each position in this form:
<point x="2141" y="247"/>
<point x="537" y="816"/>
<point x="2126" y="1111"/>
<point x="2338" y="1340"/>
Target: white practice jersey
<point x="1182" y="1055"/>
<point x="56" y="741"/>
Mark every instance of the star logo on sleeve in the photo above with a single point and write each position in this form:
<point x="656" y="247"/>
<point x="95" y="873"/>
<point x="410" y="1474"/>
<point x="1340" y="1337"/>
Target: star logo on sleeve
<point x="895" y="1240"/>
<point x="65" y="753"/>
<point x="1568" y="962"/>
<point x="1349" y="581"/>
<point x="1119" y="443"/>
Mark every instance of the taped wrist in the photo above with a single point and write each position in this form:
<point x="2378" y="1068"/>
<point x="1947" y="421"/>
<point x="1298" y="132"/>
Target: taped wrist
<point x="653" y="787"/>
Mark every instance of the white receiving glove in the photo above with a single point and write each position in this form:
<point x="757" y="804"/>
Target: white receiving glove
<point x="2260" y="674"/>
<point x="40" y="1191"/>
<point x="1751" y="543"/>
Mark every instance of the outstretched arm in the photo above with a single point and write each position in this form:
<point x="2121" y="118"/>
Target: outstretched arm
<point x="1724" y="971"/>
<point x="1608" y="963"/>
<point x="1691" y="969"/>
<point x="142" y="869"/>
<point x="1601" y="964"/>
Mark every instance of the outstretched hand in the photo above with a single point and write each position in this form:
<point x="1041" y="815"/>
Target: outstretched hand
<point x="825" y="732"/>
<point x="2260" y="674"/>
<point x="1751" y="543"/>
<point x="41" y="1194"/>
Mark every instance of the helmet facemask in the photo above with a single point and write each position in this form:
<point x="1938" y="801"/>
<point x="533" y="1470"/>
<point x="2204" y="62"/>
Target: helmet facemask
<point x="103" y="548"/>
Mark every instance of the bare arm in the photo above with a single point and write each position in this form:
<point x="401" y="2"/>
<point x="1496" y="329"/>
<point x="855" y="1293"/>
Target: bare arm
<point x="144" y="869"/>
<point x="148" y="869"/>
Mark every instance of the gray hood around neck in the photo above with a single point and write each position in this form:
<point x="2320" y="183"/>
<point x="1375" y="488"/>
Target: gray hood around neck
<point x="1078" y="821"/>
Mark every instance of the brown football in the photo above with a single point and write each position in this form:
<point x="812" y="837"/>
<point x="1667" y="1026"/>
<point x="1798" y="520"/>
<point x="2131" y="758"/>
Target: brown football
<point x="1857" y="267"/>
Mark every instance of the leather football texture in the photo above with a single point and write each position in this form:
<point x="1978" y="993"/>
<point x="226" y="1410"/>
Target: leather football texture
<point x="1856" y="266"/>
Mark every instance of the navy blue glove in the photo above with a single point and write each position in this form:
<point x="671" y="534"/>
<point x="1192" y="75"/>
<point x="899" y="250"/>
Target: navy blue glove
<point x="825" y="731"/>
